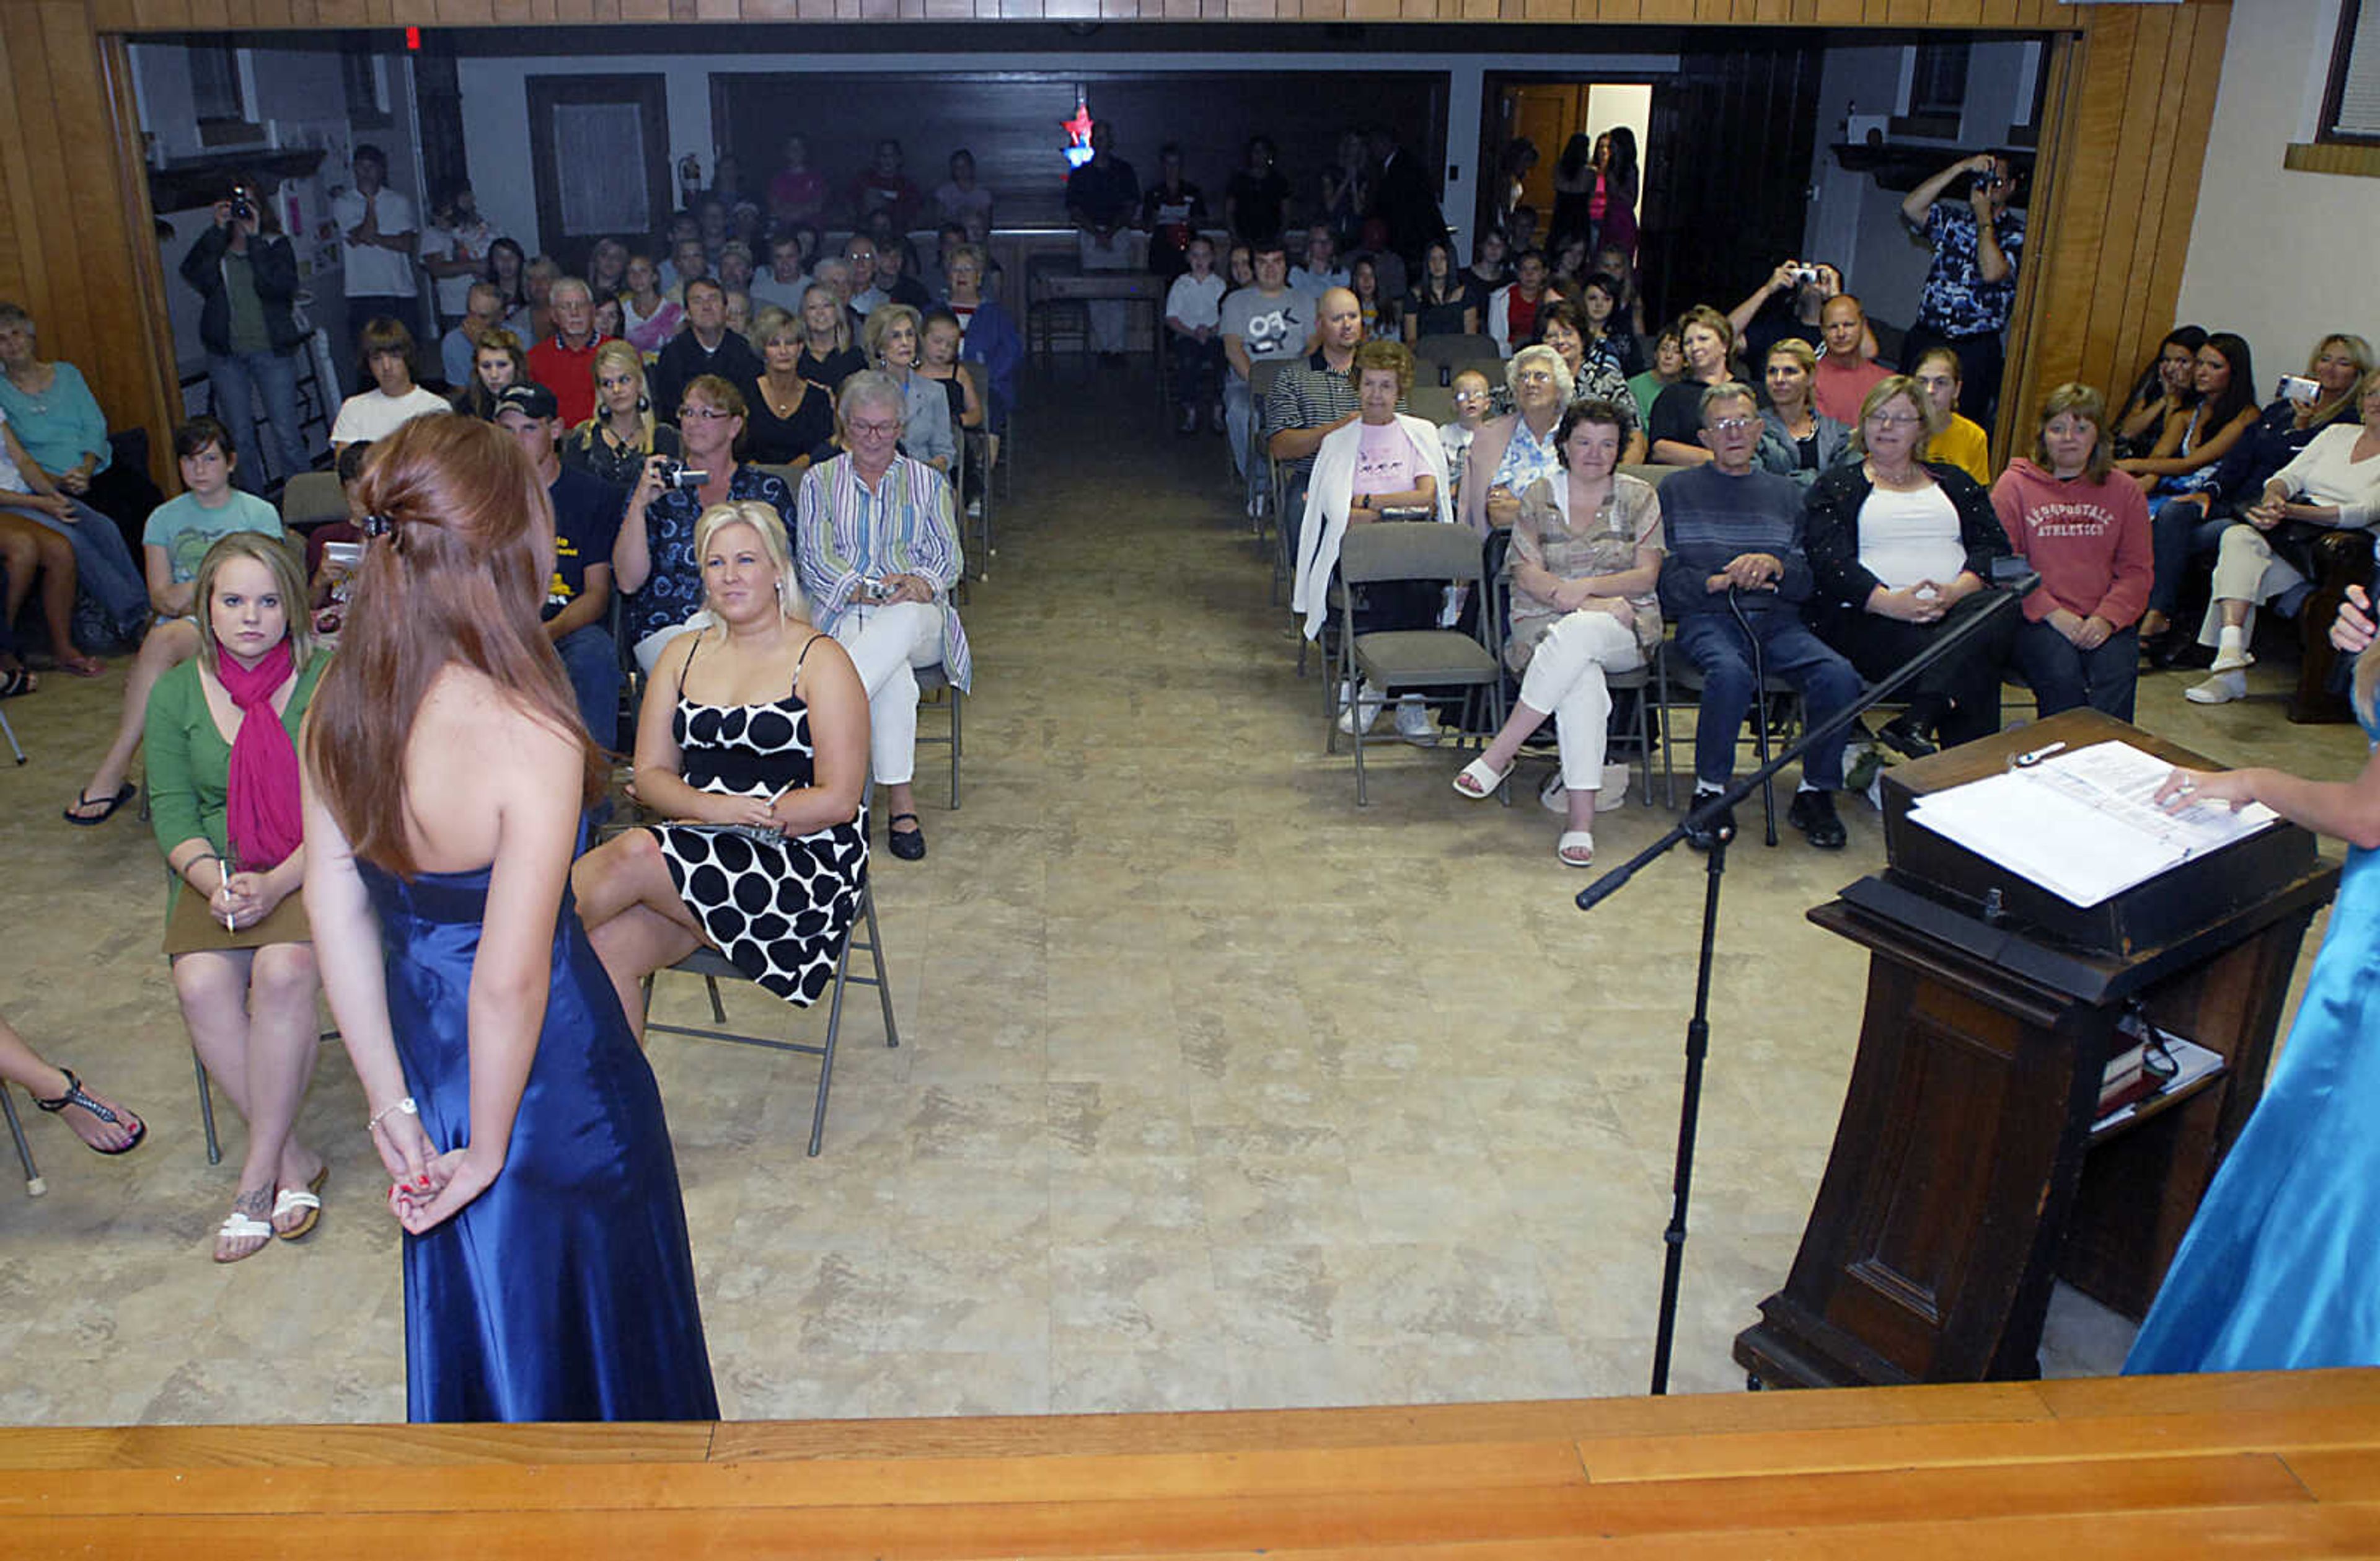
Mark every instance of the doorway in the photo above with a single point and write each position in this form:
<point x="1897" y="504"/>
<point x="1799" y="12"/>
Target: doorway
<point x="1545" y="113"/>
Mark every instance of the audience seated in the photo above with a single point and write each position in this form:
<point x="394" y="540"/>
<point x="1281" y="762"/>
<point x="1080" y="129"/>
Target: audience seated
<point x="1320" y="269"/>
<point x="538" y="279"/>
<point x="565" y="361"/>
<point x="455" y="249"/>
<point x="688" y="261"/>
<point x="1902" y="549"/>
<point x="894" y="278"/>
<point x="614" y="443"/>
<point x="497" y="364"/>
<point x="1510" y="453"/>
<point x="245" y="273"/>
<point x="959" y="199"/>
<point x="1791" y="303"/>
<point x="1802" y="441"/>
<point x="860" y="258"/>
<point x="1441" y="303"/>
<point x="649" y="317"/>
<point x="104" y="1127"/>
<point x="1621" y="266"/>
<point x="753" y="745"/>
<point x="2167" y="386"/>
<point x="1475" y="402"/>
<point x="2333" y="484"/>
<point x="225" y="814"/>
<point x="1313" y="398"/>
<point x="790" y="418"/>
<point x="483" y="311"/>
<point x="1847" y="368"/>
<point x="987" y="333"/>
<point x="2184" y="463"/>
<point x="92" y="597"/>
<point x="938" y="359"/>
<point x="586" y="524"/>
<point x="176" y="541"/>
<point x="1511" y="312"/>
<point x="330" y="574"/>
<point x="798" y="193"/>
<point x="1380" y="464"/>
<point x="926" y="431"/>
<point x="654" y="559"/>
<point x="507" y="271"/>
<point x="1561" y="325"/>
<point x="1962" y="443"/>
<point x="884" y="186"/>
<point x="2085" y="526"/>
<point x="60" y="428"/>
<point x="1707" y="343"/>
<point x="1668" y="367"/>
<point x="736" y="266"/>
<point x="1735" y="572"/>
<point x="1609" y="338"/>
<point x="1584" y="567"/>
<point x="607" y="270"/>
<point x="386" y="348"/>
<point x="1193" y="313"/>
<point x="828" y="357"/>
<point x="877" y="552"/>
<point x="1379" y="312"/>
<point x="782" y="284"/>
<point x="705" y="349"/>
<point x="1268" y="321"/>
<point x="740" y="317"/>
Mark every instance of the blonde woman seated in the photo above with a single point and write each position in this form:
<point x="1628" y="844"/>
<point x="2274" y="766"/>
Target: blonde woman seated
<point x="1585" y="562"/>
<point x="623" y="435"/>
<point x="1370" y="469"/>
<point x="892" y="335"/>
<point x="753" y="742"/>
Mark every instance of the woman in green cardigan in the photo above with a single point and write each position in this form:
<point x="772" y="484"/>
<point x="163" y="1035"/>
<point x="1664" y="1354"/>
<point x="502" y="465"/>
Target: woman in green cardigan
<point x="223" y="786"/>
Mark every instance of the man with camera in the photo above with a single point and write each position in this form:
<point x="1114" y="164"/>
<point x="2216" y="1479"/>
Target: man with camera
<point x="1785" y="308"/>
<point x="585" y="522"/>
<point x="1972" y="285"/>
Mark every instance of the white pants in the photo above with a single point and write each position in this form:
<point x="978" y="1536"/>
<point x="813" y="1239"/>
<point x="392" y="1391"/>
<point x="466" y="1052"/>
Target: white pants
<point x="1565" y="675"/>
<point x="1103" y="319"/>
<point x="887" y="644"/>
<point x="2245" y="571"/>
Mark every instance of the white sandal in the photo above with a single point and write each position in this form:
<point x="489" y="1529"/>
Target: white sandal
<point x="1576" y="840"/>
<point x="237" y="1226"/>
<point x="292" y="1199"/>
<point x="1480" y="777"/>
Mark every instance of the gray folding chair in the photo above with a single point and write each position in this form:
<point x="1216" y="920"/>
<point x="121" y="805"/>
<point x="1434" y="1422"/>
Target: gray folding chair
<point x="1260" y="377"/>
<point x="1638" y="681"/>
<point x="932" y="680"/>
<point x="312" y="498"/>
<point x="974" y="451"/>
<point x="1396" y="660"/>
<point x="34" y="1184"/>
<point x="1437" y="359"/>
<point x="715" y="967"/>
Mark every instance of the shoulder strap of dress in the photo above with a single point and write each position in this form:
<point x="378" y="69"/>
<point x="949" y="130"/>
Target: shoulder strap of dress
<point x="694" y="643"/>
<point x="813" y="640"/>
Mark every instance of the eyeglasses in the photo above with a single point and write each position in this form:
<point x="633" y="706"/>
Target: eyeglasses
<point x="1532" y="376"/>
<point x="1470" y="396"/>
<point x="1734" y="425"/>
<point x="704" y="414"/>
<point x="1892" y="420"/>
<point x="874" y="430"/>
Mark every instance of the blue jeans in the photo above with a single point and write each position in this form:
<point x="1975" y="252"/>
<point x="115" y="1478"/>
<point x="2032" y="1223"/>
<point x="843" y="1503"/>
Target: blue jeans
<point x="1716" y="644"/>
<point x="2181" y="531"/>
<point x="235" y="381"/>
<point x="1195" y="365"/>
<point x="2065" y="679"/>
<point x="592" y="662"/>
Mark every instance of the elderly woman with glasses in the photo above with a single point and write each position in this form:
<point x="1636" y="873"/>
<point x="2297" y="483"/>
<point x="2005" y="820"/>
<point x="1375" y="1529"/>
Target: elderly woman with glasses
<point x="877" y="552"/>
<point x="1902" y="549"/>
<point x="1510" y="453"/>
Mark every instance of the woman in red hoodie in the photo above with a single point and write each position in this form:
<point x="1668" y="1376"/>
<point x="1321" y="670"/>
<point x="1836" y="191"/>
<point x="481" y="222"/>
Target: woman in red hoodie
<point x="2085" y="527"/>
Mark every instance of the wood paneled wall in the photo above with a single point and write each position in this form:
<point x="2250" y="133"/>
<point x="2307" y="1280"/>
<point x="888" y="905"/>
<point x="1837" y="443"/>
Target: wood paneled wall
<point x="2135" y="90"/>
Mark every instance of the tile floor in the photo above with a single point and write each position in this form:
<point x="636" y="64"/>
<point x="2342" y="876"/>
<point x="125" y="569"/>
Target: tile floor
<point x="1213" y="1091"/>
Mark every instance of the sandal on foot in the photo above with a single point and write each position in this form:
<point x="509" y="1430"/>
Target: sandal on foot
<point x="80" y="666"/>
<point x="290" y="1198"/>
<point x="77" y="1095"/>
<point x="2231" y="661"/>
<point x="1478" y="780"/>
<point x="1575" y="848"/>
<point x="106" y="805"/>
<point x="16" y="680"/>
<point x="909" y="844"/>
<point x="239" y="1226"/>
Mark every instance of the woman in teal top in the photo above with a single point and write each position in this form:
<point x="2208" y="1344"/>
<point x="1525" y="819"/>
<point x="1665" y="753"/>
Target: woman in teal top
<point x="223" y="786"/>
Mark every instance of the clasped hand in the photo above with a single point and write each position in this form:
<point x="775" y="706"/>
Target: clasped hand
<point x="1922" y="603"/>
<point x="427" y="1188"/>
<point x="243" y="899"/>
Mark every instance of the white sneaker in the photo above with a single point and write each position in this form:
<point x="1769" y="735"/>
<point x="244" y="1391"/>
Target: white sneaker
<point x="1369" y="702"/>
<point x="2221" y="688"/>
<point x="1415" y="724"/>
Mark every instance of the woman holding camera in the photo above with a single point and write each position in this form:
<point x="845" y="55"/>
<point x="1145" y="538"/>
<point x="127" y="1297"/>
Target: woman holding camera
<point x="653" y="558"/>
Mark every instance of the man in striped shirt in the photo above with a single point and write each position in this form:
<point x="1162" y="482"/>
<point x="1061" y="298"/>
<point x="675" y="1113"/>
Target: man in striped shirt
<point x="1734" y="536"/>
<point x="876" y="553"/>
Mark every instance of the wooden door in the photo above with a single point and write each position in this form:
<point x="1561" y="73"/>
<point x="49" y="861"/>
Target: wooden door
<point x="1549" y="113"/>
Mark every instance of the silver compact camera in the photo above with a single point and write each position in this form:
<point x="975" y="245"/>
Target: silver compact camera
<point x="671" y="473"/>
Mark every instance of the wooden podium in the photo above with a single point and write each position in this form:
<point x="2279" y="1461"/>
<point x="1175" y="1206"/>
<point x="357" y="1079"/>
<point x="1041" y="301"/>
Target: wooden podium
<point x="1966" y="1174"/>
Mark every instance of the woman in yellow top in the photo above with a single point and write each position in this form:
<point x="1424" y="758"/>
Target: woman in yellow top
<point x="1962" y="443"/>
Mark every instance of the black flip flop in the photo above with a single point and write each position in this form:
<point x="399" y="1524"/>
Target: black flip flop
<point x="909" y="844"/>
<point x="75" y="1096"/>
<point x="124" y="794"/>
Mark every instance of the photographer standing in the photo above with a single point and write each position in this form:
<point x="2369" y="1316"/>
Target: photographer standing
<point x="1973" y="284"/>
<point x="246" y="273"/>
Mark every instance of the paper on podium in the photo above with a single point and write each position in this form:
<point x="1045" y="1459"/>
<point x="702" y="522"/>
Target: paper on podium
<point x="2081" y="824"/>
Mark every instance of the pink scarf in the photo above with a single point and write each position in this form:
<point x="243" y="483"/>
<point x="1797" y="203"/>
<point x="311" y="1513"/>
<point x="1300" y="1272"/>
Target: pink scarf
<point x="263" y="819"/>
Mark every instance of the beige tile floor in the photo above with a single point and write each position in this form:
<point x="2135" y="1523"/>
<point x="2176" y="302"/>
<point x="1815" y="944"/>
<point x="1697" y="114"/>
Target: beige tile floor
<point x="1214" y="1089"/>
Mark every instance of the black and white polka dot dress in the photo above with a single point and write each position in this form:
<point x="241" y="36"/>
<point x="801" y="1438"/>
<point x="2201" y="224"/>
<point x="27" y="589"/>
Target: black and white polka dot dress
<point x="776" y="907"/>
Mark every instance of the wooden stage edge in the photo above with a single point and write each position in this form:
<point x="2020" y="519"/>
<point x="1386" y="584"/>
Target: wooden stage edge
<point x="2258" y="1464"/>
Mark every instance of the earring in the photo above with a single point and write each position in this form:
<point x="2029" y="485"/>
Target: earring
<point x="644" y="402"/>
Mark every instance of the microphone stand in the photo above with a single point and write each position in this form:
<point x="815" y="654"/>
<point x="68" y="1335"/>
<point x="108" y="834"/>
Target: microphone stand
<point x="2017" y="579"/>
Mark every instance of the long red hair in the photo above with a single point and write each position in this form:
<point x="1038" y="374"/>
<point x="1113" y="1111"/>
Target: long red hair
<point x="457" y="581"/>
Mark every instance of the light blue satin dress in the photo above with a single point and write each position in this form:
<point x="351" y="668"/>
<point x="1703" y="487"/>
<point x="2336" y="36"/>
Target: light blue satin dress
<point x="2281" y="1268"/>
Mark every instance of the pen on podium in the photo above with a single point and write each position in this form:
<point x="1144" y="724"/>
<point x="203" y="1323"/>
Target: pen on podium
<point x="2026" y="761"/>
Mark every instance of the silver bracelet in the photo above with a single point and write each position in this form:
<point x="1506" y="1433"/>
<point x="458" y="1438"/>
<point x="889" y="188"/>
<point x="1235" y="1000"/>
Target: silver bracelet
<point x="404" y="1106"/>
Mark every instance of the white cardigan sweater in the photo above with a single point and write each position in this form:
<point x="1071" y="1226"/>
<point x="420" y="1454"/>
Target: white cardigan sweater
<point x="1329" y="494"/>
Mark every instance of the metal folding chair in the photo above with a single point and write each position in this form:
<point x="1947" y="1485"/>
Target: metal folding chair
<point x="34" y="1184"/>
<point x="1395" y="660"/>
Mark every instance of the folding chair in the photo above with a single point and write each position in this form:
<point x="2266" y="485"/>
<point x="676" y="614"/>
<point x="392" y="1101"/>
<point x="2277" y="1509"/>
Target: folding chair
<point x="1395" y="660"/>
<point x="931" y="680"/>
<point x="1260" y="377"/>
<point x="1437" y="359"/>
<point x="1498" y="617"/>
<point x="715" y="967"/>
<point x="312" y="498"/>
<point x="974" y="451"/>
<point x="11" y="733"/>
<point x="34" y="1184"/>
<point x="1672" y="664"/>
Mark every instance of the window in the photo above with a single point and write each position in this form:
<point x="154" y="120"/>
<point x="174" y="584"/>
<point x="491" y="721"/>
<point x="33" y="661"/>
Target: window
<point x="367" y="89"/>
<point x="2350" y="108"/>
<point x="216" y="91"/>
<point x="1938" y="79"/>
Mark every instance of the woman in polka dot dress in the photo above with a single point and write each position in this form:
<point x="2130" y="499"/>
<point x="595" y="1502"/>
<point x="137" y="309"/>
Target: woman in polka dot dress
<point x="753" y="743"/>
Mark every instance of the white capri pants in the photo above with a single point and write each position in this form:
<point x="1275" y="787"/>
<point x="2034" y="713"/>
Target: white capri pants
<point x="1565" y="675"/>
<point x="2245" y="571"/>
<point x="888" y="644"/>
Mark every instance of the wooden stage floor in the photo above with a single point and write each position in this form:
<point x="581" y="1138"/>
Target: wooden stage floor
<point x="2279" y="1465"/>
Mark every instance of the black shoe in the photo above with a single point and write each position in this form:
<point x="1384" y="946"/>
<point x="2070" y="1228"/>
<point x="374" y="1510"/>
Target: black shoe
<point x="909" y="844"/>
<point x="1902" y="736"/>
<point x="1703" y="832"/>
<point x="1813" y="812"/>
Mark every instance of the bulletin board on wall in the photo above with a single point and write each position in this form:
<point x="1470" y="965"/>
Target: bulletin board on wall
<point x="1011" y="122"/>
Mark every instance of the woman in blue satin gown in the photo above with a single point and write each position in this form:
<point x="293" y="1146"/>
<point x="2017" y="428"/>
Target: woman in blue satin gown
<point x="2281" y="1266"/>
<point x="548" y="1275"/>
